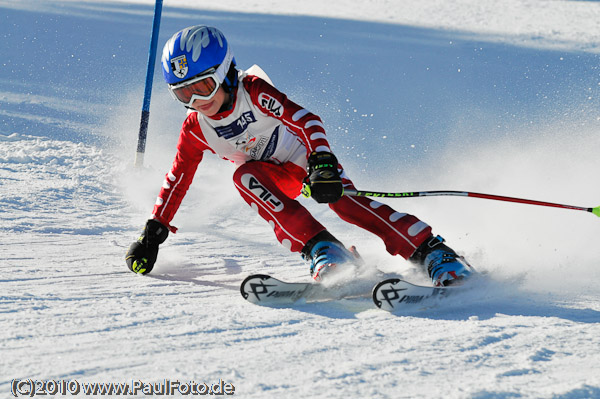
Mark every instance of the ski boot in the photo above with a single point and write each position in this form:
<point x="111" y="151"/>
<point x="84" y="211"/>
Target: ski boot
<point x="325" y="253"/>
<point x="443" y="265"/>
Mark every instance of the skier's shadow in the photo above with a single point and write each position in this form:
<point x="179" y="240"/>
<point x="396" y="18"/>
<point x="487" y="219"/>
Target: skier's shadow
<point x="469" y="306"/>
<point x="482" y="306"/>
<point x="340" y="309"/>
<point x="350" y="308"/>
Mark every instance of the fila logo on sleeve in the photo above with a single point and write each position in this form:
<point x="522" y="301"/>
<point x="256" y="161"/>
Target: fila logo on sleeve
<point x="270" y="104"/>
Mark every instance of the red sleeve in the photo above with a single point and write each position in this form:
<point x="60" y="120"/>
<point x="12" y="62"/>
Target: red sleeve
<point x="307" y="126"/>
<point x="190" y="149"/>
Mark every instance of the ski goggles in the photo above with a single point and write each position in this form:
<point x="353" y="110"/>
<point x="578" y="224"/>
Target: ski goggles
<point x="202" y="87"/>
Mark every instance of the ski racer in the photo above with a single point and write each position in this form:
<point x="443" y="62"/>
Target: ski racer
<point x="280" y="149"/>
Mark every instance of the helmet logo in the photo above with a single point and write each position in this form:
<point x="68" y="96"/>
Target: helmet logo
<point x="179" y="66"/>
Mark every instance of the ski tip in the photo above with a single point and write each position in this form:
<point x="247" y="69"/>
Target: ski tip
<point x="596" y="211"/>
<point x="376" y="300"/>
<point x="243" y="289"/>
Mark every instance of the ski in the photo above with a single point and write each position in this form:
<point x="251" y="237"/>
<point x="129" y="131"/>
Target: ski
<point x="391" y="294"/>
<point x="262" y="289"/>
<point x="394" y="294"/>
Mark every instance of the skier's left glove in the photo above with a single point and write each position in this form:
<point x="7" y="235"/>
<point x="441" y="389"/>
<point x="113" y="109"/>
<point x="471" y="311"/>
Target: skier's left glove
<point x="142" y="254"/>
<point x="323" y="182"/>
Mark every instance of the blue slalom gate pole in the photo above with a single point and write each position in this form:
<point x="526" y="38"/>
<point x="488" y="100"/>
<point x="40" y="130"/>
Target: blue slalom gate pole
<point x="141" y="145"/>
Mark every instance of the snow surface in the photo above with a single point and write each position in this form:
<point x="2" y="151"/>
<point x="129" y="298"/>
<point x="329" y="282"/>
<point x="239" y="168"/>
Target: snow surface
<point x="498" y="97"/>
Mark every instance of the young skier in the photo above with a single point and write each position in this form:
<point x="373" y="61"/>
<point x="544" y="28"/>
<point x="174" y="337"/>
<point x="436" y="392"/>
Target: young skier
<point x="279" y="149"/>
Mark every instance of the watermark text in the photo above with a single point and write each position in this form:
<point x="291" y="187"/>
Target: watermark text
<point x="31" y="388"/>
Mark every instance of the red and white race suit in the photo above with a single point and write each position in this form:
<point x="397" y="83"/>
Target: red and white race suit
<point x="269" y="138"/>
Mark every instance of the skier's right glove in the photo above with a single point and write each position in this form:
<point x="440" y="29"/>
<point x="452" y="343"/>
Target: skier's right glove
<point x="142" y="254"/>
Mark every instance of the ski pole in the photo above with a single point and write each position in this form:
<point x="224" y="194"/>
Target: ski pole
<point x="142" y="135"/>
<point x="360" y="193"/>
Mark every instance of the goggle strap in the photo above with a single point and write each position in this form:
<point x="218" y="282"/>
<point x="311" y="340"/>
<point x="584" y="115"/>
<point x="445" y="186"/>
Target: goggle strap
<point x="222" y="70"/>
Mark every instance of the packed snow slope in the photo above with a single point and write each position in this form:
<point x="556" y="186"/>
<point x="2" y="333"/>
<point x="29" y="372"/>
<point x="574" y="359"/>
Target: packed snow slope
<point x="485" y="96"/>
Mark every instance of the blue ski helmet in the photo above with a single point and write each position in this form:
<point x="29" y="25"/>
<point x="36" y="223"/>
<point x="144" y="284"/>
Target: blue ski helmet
<point x="195" y="50"/>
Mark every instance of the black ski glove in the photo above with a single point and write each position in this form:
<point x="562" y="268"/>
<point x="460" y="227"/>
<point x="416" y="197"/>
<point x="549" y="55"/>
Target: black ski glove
<point x="323" y="182"/>
<point x="142" y="254"/>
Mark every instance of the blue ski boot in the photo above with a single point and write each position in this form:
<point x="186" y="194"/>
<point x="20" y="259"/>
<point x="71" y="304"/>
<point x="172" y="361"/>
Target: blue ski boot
<point x="325" y="253"/>
<point x="443" y="265"/>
